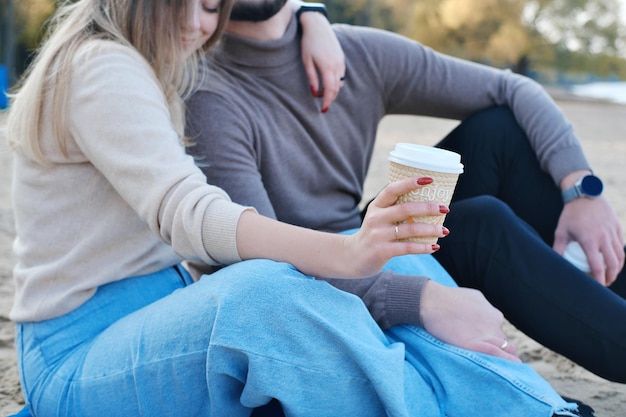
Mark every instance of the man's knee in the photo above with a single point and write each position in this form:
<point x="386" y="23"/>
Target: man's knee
<point x="486" y="217"/>
<point x="492" y="119"/>
<point x="483" y="209"/>
<point x="493" y="127"/>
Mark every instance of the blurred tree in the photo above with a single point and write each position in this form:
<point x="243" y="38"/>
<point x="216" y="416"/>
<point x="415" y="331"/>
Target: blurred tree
<point x="592" y="25"/>
<point x="583" y="34"/>
<point x="362" y="12"/>
<point x="518" y="32"/>
<point x="480" y="30"/>
<point x="22" y="30"/>
<point x="566" y="35"/>
<point x="7" y="39"/>
<point x="30" y="18"/>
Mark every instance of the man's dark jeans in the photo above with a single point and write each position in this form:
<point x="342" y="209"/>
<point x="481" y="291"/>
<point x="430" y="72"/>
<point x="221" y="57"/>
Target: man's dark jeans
<point x="502" y="221"/>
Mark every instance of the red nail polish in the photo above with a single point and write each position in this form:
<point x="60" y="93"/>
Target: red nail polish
<point x="424" y="181"/>
<point x="325" y="109"/>
<point x="436" y="247"/>
<point x="444" y="210"/>
<point x="314" y="91"/>
<point x="445" y="231"/>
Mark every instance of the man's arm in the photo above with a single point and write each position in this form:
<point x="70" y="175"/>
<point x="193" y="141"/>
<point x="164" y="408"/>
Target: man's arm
<point x="213" y="124"/>
<point x="391" y="298"/>
<point x="420" y="81"/>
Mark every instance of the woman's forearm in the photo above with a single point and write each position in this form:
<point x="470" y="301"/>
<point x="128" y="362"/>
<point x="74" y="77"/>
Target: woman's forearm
<point x="343" y="256"/>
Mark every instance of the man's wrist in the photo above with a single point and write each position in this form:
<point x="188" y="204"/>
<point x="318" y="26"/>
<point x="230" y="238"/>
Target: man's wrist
<point x="587" y="186"/>
<point x="572" y="178"/>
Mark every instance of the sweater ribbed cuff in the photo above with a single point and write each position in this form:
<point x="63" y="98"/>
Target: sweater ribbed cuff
<point x="403" y="300"/>
<point x="219" y="231"/>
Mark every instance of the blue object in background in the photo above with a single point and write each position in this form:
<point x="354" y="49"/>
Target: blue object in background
<point x="4" y="87"/>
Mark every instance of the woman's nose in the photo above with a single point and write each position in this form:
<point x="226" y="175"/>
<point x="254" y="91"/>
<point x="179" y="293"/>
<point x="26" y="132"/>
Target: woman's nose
<point x="192" y="22"/>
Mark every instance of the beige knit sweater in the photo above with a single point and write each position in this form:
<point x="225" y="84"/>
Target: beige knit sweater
<point x="126" y="201"/>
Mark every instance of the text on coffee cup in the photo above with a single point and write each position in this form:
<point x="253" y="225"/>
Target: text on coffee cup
<point x="433" y="193"/>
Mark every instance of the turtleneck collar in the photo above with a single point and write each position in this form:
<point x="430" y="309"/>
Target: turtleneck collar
<point x="260" y="54"/>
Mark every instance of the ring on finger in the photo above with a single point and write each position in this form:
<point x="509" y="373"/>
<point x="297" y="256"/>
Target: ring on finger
<point x="504" y="344"/>
<point x="397" y="238"/>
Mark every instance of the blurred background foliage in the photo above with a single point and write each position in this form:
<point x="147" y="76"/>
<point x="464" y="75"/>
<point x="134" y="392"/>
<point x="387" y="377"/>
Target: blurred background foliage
<point x="552" y="40"/>
<point x="555" y="40"/>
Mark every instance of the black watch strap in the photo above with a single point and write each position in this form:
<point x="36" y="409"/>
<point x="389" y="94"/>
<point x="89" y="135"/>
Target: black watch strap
<point x="312" y="7"/>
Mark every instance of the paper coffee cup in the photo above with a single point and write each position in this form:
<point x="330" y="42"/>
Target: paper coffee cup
<point x="444" y="167"/>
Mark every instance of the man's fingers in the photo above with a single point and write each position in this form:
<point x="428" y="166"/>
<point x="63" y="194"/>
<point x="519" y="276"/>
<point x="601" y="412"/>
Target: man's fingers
<point x="509" y="352"/>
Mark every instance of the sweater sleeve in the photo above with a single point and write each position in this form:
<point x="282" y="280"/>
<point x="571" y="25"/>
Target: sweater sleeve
<point x="420" y="81"/>
<point x="391" y="298"/>
<point x="225" y="151"/>
<point x="122" y="125"/>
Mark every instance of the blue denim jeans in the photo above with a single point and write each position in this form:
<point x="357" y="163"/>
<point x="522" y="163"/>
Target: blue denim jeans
<point x="160" y="345"/>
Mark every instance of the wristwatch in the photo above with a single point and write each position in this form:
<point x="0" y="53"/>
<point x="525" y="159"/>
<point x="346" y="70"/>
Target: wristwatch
<point x="588" y="186"/>
<point x="312" y="7"/>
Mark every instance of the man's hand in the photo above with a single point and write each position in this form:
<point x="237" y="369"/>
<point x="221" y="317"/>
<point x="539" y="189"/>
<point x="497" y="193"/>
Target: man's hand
<point x="593" y="224"/>
<point x="464" y="318"/>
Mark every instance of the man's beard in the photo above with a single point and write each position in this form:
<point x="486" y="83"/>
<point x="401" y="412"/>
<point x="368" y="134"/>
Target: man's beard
<point x="255" y="11"/>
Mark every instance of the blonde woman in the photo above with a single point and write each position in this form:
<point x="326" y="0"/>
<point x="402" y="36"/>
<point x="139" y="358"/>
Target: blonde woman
<point x="107" y="205"/>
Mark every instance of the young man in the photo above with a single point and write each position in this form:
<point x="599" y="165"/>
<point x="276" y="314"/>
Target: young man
<point x="260" y="135"/>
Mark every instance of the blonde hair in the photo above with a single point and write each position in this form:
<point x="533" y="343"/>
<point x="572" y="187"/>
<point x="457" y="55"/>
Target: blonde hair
<point x="136" y="23"/>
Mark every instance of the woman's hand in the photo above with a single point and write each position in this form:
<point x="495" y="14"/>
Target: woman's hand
<point x="345" y="256"/>
<point x="322" y="52"/>
<point x="381" y="235"/>
<point x="464" y="318"/>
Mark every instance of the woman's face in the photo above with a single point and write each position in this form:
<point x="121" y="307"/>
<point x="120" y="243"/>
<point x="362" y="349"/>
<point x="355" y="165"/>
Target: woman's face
<point x="200" y="24"/>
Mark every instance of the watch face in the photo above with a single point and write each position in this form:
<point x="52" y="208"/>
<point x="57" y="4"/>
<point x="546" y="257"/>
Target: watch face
<point x="591" y="186"/>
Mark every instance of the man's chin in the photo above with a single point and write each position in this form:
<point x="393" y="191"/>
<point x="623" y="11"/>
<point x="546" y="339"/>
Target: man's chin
<point x="255" y="11"/>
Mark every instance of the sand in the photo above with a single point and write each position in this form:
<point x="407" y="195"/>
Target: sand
<point x="602" y="130"/>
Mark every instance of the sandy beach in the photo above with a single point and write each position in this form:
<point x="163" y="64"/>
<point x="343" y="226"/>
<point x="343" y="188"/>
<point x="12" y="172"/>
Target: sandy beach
<point x="601" y="128"/>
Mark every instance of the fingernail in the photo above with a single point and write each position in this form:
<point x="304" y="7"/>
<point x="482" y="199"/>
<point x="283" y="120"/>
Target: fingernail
<point x="445" y="231"/>
<point x="436" y="247"/>
<point x="314" y="91"/>
<point x="325" y="109"/>
<point x="424" y="181"/>
<point x="444" y="210"/>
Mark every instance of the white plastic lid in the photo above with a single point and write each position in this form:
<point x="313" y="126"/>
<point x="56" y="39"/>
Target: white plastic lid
<point x="427" y="157"/>
<point x="575" y="254"/>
